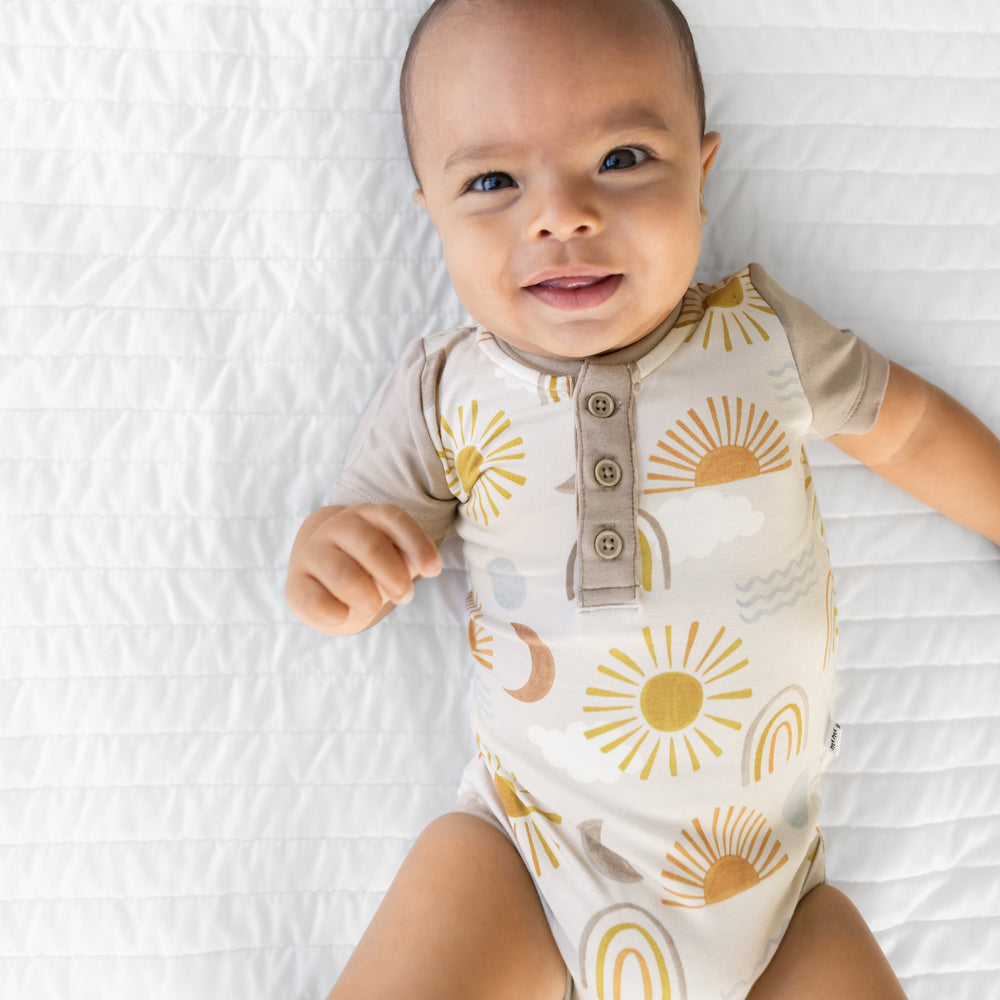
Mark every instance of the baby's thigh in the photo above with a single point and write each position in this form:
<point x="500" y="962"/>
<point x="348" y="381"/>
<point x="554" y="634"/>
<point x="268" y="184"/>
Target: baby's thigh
<point x="828" y="953"/>
<point x="461" y="919"/>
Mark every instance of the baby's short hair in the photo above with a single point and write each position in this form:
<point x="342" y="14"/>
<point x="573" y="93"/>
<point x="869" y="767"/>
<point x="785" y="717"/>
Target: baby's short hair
<point x="678" y="22"/>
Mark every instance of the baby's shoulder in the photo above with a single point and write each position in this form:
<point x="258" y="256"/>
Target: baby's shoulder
<point x="447" y="341"/>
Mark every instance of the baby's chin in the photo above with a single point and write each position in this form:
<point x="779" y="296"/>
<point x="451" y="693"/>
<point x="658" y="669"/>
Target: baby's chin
<point x="569" y="345"/>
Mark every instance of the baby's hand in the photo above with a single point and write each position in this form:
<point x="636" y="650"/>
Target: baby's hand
<point x="351" y="565"/>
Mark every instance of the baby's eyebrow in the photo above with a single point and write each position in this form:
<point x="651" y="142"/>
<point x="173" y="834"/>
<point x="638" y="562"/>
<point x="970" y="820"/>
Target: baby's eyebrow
<point x="483" y="152"/>
<point x="633" y="116"/>
<point x="616" y="123"/>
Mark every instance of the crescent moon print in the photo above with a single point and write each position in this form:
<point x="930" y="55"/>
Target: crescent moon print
<point x="606" y="861"/>
<point x="543" y="666"/>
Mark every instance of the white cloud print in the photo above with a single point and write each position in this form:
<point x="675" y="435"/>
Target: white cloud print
<point x="697" y="524"/>
<point x="571" y="751"/>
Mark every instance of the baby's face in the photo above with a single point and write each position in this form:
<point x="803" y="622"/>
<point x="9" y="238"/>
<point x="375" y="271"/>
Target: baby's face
<point x="562" y="162"/>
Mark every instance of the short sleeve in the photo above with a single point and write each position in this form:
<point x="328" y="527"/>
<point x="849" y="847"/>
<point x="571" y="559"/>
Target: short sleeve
<point x="843" y="378"/>
<point x="392" y="458"/>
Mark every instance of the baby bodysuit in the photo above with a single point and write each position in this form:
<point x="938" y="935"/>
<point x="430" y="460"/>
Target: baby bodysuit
<point x="651" y="615"/>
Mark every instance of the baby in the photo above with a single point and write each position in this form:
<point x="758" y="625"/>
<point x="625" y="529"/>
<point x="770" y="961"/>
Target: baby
<point x="652" y="616"/>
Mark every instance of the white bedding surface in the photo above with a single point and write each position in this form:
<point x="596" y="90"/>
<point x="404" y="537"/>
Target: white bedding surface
<point x="208" y="258"/>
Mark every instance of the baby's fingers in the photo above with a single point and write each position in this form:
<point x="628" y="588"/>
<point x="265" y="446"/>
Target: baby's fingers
<point x="313" y="604"/>
<point x="349" y="564"/>
<point x="411" y="542"/>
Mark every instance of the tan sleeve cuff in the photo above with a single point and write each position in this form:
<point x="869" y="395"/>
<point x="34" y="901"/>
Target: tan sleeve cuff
<point x="843" y="378"/>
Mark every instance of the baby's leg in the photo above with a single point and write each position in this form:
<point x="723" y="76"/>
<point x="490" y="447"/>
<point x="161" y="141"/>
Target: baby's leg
<point x="461" y="919"/>
<point x="828" y="953"/>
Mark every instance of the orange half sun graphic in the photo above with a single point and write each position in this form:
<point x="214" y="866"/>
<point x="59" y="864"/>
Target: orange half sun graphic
<point x="707" y="867"/>
<point x="669" y="711"/>
<point x="727" y="442"/>
<point x="476" y="461"/>
<point x="480" y="641"/>
<point x="732" y="307"/>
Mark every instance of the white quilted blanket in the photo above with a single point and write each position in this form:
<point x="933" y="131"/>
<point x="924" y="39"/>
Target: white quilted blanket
<point x="208" y="258"/>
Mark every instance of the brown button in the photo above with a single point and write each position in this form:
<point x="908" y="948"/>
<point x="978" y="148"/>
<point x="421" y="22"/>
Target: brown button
<point x="608" y="472"/>
<point x="601" y="404"/>
<point x="609" y="544"/>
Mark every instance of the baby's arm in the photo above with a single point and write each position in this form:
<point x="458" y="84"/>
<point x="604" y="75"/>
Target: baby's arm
<point x="931" y="446"/>
<point x="350" y="566"/>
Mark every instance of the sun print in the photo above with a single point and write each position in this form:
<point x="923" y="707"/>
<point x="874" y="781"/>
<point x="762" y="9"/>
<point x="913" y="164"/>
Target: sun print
<point x="728" y="441"/>
<point x="669" y="710"/>
<point x="480" y="642"/>
<point x="709" y="866"/>
<point x="527" y="829"/>
<point x="537" y="838"/>
<point x="477" y="461"/>
<point x="730" y="309"/>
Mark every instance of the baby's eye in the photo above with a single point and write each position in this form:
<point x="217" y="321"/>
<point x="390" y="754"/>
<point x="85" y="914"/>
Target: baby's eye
<point x="624" y="157"/>
<point x="491" y="182"/>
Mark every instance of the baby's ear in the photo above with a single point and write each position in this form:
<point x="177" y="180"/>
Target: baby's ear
<point x="709" y="150"/>
<point x="419" y="199"/>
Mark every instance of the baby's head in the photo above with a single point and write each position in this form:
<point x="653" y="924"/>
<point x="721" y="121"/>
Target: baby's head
<point x="561" y="153"/>
<point x="675" y="24"/>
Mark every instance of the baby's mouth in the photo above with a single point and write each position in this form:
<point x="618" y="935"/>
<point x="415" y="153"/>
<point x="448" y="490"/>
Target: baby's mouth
<point x="576" y="291"/>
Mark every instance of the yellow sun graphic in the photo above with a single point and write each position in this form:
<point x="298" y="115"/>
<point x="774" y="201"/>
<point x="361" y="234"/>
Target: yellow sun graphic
<point x="678" y="707"/>
<point x="474" y="461"/>
<point x="480" y="643"/>
<point x="739" y="853"/>
<point x="732" y="307"/>
<point x="730" y="443"/>
<point x="527" y="830"/>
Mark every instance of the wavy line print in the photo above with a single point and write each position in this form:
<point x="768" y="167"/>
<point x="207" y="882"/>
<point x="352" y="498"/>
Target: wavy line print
<point x="786" y="397"/>
<point x="793" y="582"/>
<point x="784" y="572"/>
<point x="777" y="607"/>
<point x="788" y="366"/>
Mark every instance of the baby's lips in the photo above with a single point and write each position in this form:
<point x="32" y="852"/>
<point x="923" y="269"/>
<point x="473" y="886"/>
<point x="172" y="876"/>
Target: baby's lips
<point x="571" y="283"/>
<point x="568" y="276"/>
<point x="575" y="292"/>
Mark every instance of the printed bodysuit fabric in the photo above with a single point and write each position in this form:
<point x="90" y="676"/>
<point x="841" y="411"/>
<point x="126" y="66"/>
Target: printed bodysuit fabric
<point x="651" y="616"/>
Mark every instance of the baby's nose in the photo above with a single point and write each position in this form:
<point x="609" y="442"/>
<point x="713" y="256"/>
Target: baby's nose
<point x="564" y="210"/>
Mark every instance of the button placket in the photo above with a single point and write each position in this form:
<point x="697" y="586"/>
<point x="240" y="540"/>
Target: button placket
<point x="607" y="547"/>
